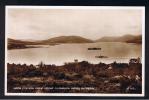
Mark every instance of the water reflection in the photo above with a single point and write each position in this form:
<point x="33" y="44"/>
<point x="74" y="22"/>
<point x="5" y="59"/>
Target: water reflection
<point x="59" y="54"/>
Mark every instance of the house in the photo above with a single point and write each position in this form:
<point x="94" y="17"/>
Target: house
<point x="132" y="61"/>
<point x="76" y="60"/>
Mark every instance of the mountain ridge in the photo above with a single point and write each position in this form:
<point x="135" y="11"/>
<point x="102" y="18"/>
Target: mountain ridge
<point x="79" y="39"/>
<point x="125" y="38"/>
<point x="67" y="39"/>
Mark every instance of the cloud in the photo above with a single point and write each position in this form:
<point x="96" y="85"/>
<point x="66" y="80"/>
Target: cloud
<point x="89" y="23"/>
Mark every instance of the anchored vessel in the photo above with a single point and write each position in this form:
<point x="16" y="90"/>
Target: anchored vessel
<point x="97" y="49"/>
<point x="101" y="56"/>
<point x="94" y="48"/>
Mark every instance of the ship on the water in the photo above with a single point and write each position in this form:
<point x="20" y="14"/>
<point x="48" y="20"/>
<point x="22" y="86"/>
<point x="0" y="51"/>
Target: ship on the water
<point x="94" y="48"/>
<point x="97" y="49"/>
<point x="101" y="56"/>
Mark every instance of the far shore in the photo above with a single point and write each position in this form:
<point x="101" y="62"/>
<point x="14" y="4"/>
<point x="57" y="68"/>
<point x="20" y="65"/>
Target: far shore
<point x="26" y="46"/>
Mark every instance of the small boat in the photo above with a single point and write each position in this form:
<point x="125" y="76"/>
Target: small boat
<point x="53" y="44"/>
<point x="94" y="48"/>
<point x="101" y="57"/>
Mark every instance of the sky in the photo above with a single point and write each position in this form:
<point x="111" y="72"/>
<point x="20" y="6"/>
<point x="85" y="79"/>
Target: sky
<point x="40" y="24"/>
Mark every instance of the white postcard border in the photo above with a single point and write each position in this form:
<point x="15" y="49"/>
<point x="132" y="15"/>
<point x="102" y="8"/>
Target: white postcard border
<point x="78" y="94"/>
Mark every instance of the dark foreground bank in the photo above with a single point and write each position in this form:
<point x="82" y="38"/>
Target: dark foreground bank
<point x="75" y="77"/>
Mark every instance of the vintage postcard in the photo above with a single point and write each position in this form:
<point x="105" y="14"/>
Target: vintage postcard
<point x="74" y="51"/>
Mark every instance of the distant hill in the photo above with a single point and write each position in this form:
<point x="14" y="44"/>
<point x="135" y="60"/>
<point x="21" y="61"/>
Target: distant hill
<point x="12" y="43"/>
<point x="137" y="39"/>
<point x="60" y="39"/>
<point x="125" y="38"/>
<point x="67" y="39"/>
<point x="18" y="44"/>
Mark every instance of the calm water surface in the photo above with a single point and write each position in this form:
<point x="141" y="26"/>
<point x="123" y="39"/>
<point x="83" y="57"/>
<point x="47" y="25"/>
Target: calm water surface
<point x="59" y="54"/>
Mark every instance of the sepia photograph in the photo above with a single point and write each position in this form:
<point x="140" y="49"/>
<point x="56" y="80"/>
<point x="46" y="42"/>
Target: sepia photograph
<point x="74" y="51"/>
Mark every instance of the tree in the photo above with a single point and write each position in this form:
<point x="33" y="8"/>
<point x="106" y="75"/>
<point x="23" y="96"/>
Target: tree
<point x="41" y="64"/>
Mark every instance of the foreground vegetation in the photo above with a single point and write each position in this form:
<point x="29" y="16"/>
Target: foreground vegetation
<point x="75" y="77"/>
